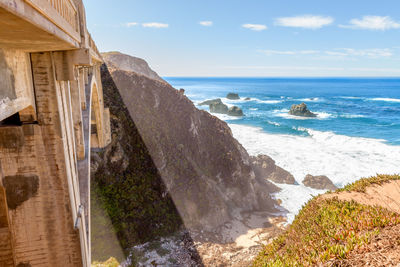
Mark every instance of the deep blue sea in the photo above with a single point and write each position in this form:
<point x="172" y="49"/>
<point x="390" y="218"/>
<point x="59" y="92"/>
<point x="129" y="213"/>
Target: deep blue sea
<point x="348" y="106"/>
<point x="356" y="132"/>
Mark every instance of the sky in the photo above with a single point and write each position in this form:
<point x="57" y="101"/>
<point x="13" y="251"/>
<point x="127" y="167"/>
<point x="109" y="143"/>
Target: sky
<point x="252" y="38"/>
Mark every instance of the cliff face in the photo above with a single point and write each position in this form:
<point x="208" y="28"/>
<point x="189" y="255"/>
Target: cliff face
<point x="127" y="185"/>
<point x="206" y="171"/>
<point x="129" y="63"/>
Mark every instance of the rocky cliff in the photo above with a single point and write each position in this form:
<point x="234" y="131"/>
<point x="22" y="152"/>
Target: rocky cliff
<point x="130" y="63"/>
<point x="206" y="171"/>
<point x="126" y="187"/>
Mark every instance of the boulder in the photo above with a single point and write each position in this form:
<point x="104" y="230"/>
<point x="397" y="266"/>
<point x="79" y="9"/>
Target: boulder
<point x="235" y="111"/>
<point x="265" y="167"/>
<point x="209" y="102"/>
<point x="247" y="98"/>
<point x="219" y="108"/>
<point x="319" y="182"/>
<point x="232" y="96"/>
<point x="301" y="110"/>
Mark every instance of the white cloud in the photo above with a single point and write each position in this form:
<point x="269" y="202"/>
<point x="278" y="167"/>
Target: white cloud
<point x="155" y="25"/>
<point x="206" y="23"/>
<point x="131" y="24"/>
<point x="306" y="21"/>
<point x="370" y="53"/>
<point x="373" y="23"/>
<point x="338" y="52"/>
<point x="280" y="52"/>
<point x="255" y="27"/>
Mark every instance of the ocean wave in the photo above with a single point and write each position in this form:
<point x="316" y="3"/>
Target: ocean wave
<point x="342" y="158"/>
<point x="351" y="97"/>
<point x="352" y="116"/>
<point x="385" y="99"/>
<point x="253" y="109"/>
<point x="312" y="99"/>
<point x="269" y="101"/>
<point x="224" y="117"/>
<point x="283" y="113"/>
<point x="274" y="123"/>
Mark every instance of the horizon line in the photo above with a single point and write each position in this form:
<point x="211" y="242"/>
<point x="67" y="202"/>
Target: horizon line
<point x="291" y="77"/>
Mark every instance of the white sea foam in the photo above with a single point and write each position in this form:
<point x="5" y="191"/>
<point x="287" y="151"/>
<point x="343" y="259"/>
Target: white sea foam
<point x="273" y="123"/>
<point x="283" y="113"/>
<point x="351" y="97"/>
<point x="312" y="99"/>
<point x="342" y="158"/>
<point x="352" y="116"/>
<point x="253" y="108"/>
<point x="386" y="99"/>
<point x="225" y="117"/>
<point x="261" y="101"/>
<point x="268" y="101"/>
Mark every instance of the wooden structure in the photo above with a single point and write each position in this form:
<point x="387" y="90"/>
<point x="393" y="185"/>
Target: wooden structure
<point x="51" y="114"/>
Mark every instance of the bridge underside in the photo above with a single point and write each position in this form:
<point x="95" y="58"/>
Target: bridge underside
<point x="51" y="114"/>
<point x="17" y="33"/>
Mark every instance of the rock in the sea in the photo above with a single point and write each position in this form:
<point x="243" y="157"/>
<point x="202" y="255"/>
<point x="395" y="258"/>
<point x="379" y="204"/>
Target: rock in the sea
<point x="265" y="167"/>
<point x="319" y="182"/>
<point x="247" y="98"/>
<point x="232" y="96"/>
<point x="219" y="108"/>
<point x="212" y="101"/>
<point x="235" y="111"/>
<point x="301" y="110"/>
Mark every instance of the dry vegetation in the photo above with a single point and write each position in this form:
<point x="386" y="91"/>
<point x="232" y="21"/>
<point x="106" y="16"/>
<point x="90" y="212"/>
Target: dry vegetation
<point x="329" y="230"/>
<point x="362" y="184"/>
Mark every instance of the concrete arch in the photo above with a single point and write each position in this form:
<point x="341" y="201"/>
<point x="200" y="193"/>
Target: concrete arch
<point x="96" y="118"/>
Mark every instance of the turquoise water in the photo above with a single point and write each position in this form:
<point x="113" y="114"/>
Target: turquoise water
<point x="348" y="106"/>
<point x="356" y="132"/>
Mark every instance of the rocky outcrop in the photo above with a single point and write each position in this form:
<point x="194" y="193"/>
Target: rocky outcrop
<point x="210" y="102"/>
<point x="129" y="63"/>
<point x="319" y="182"/>
<point x="247" y="98"/>
<point x="219" y="108"/>
<point x="216" y="106"/>
<point x="265" y="167"/>
<point x="206" y="171"/>
<point x="235" y="111"/>
<point x="233" y="96"/>
<point x="301" y="110"/>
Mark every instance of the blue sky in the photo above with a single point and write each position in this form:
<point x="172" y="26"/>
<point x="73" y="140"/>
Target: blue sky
<point x="252" y="37"/>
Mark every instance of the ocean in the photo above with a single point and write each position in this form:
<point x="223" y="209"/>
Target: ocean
<point x="356" y="132"/>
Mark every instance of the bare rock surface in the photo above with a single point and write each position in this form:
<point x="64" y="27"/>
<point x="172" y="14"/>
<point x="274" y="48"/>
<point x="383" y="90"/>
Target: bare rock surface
<point x="218" y="108"/>
<point x="206" y="171"/>
<point x="211" y="101"/>
<point x="130" y="63"/>
<point x="319" y="182"/>
<point x="235" y="111"/>
<point x="265" y="167"/>
<point x="301" y="110"/>
<point x="233" y="96"/>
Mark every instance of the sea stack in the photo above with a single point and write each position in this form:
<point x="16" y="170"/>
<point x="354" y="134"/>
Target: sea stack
<point x="209" y="102"/>
<point x="301" y="110"/>
<point x="235" y="111"/>
<point x="233" y="96"/>
<point x="219" y="108"/>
